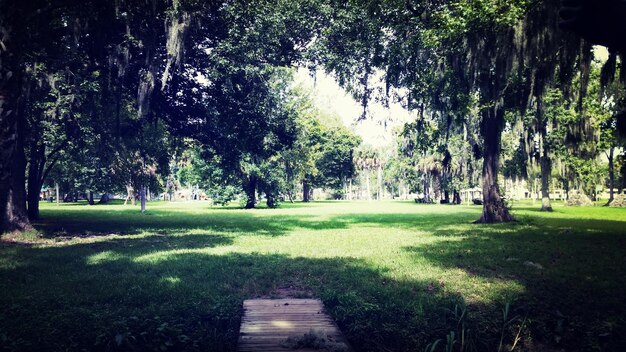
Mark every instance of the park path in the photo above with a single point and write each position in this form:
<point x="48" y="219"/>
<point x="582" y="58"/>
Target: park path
<point x="268" y="323"/>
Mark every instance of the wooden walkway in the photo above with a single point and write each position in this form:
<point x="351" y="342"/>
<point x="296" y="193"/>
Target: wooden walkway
<point x="268" y="323"/>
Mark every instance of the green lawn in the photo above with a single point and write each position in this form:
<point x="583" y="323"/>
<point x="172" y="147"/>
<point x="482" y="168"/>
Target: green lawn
<point x="105" y="277"/>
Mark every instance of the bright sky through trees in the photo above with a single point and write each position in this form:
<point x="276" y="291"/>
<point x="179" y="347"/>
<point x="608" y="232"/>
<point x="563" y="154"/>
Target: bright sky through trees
<point x="379" y="126"/>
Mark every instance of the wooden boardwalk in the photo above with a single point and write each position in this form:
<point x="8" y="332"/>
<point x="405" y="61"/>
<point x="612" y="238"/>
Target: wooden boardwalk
<point x="267" y="323"/>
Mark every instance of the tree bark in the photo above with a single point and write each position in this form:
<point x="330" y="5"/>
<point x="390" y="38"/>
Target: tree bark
<point x="104" y="199"/>
<point x="369" y="192"/>
<point x="16" y="213"/>
<point x="130" y="195"/>
<point x="456" y="199"/>
<point x="11" y="24"/>
<point x="611" y="175"/>
<point x="426" y="189"/>
<point x="56" y="186"/>
<point x="306" y="191"/>
<point x="271" y="200"/>
<point x="142" y="196"/>
<point x="350" y="189"/>
<point x="35" y="169"/>
<point x="546" y="163"/>
<point x="251" y="192"/>
<point x="494" y="209"/>
<point x="90" y="198"/>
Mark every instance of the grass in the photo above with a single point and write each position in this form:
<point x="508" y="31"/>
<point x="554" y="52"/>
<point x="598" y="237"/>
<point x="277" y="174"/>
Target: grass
<point x="107" y="278"/>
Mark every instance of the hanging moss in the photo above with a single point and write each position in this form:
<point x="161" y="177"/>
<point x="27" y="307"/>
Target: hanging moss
<point x="177" y="28"/>
<point x="146" y="87"/>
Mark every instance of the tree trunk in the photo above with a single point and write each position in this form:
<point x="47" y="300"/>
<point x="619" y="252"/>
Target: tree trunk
<point x="251" y="192"/>
<point x="34" y="189"/>
<point x="379" y="182"/>
<point x="546" y="163"/>
<point x="494" y="209"/>
<point x="426" y="188"/>
<point x="271" y="200"/>
<point x="104" y="199"/>
<point x="16" y="213"/>
<point x="350" y="189"/>
<point x="611" y="175"/>
<point x="56" y="186"/>
<point x="130" y="195"/>
<point x="90" y="198"/>
<point x="10" y="76"/>
<point x="456" y="199"/>
<point x="306" y="191"/>
<point x="142" y="196"/>
<point x="369" y="192"/>
<point x="35" y="168"/>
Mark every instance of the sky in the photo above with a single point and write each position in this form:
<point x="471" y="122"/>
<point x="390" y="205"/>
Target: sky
<point x="376" y="130"/>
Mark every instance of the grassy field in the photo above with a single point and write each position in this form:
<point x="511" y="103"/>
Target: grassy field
<point x="396" y="276"/>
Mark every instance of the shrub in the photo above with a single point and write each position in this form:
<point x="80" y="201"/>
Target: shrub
<point x="619" y="200"/>
<point x="578" y="199"/>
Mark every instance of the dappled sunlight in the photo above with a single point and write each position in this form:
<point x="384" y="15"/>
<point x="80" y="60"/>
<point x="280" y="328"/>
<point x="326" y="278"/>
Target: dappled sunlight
<point x="160" y="256"/>
<point x="103" y="257"/>
<point x="399" y="267"/>
<point x="283" y="324"/>
<point x="171" y="280"/>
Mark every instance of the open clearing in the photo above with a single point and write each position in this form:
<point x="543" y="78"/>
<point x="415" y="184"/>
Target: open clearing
<point x="105" y="277"/>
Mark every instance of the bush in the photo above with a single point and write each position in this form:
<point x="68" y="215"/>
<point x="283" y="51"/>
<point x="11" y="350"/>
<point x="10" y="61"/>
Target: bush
<point x="619" y="200"/>
<point x="578" y="199"/>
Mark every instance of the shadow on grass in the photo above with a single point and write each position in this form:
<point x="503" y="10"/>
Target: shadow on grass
<point x="99" y="222"/>
<point x="184" y="292"/>
<point x="573" y="273"/>
<point x="165" y="222"/>
<point x="125" y="295"/>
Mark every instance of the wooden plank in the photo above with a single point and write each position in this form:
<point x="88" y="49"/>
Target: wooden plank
<point x="267" y="323"/>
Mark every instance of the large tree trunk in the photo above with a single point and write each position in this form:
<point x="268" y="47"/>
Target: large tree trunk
<point x="10" y="79"/>
<point x="251" y="192"/>
<point x="494" y="209"/>
<point x="306" y="191"/>
<point x="16" y="213"/>
<point x="90" y="198"/>
<point x="546" y="163"/>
